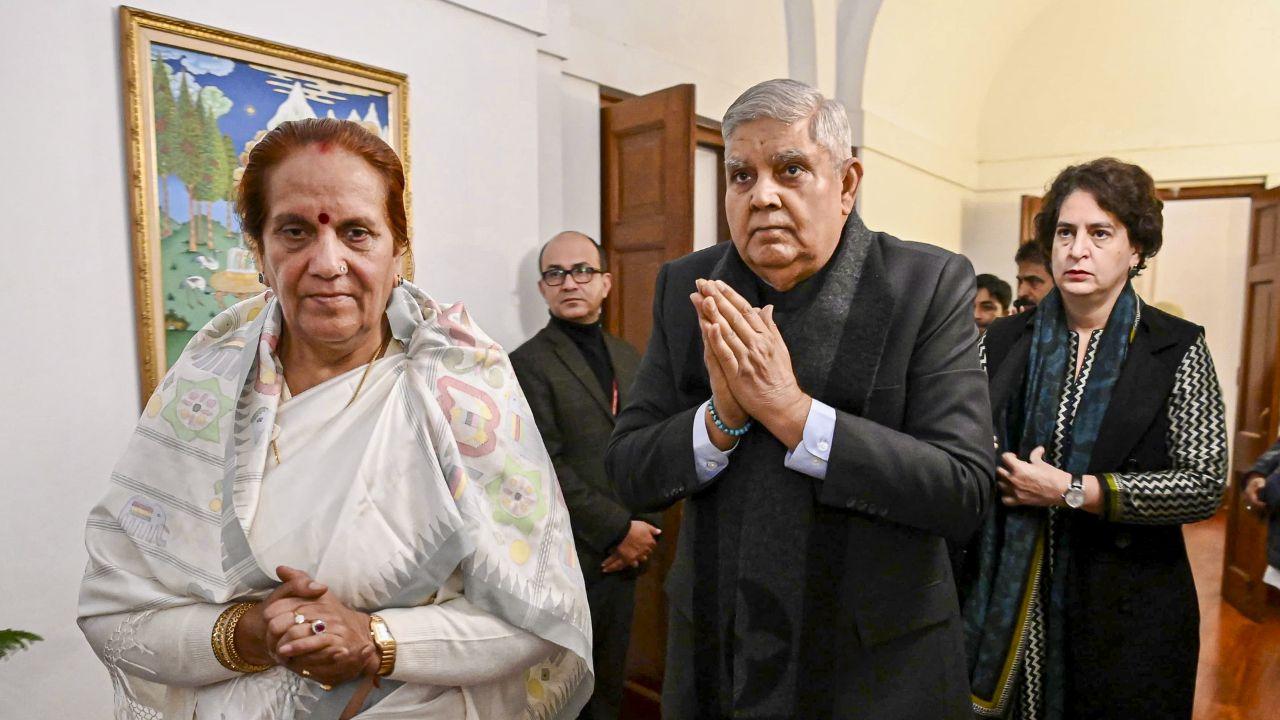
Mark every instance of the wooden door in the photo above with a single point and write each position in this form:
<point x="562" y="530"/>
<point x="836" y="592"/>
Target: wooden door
<point x="1031" y="205"/>
<point x="1259" y="402"/>
<point x="647" y="163"/>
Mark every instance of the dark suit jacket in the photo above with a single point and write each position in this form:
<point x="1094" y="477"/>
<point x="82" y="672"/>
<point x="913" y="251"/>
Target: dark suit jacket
<point x="1132" y="615"/>
<point x="911" y="464"/>
<point x="575" y="420"/>
<point x="1268" y="464"/>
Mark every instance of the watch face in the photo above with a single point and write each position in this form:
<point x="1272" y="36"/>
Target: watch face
<point x="1075" y="498"/>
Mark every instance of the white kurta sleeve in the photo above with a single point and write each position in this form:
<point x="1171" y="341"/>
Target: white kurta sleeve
<point x="169" y="646"/>
<point x="456" y="644"/>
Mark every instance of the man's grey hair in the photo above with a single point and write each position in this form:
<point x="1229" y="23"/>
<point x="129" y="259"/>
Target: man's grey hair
<point x="789" y="101"/>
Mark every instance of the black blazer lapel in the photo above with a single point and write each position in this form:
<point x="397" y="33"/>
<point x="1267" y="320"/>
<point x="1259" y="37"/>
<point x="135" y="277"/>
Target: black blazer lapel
<point x="624" y="366"/>
<point x="571" y="356"/>
<point x="1141" y="392"/>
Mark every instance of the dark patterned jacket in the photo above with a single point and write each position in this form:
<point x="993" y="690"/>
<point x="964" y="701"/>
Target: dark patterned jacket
<point x="1133" y="618"/>
<point x="1268" y="464"/>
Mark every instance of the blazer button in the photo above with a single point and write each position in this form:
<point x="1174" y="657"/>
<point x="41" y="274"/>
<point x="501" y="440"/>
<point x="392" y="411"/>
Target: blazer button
<point x="1123" y="540"/>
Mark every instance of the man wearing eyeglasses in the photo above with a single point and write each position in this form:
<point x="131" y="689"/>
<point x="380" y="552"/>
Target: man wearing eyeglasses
<point x="576" y="378"/>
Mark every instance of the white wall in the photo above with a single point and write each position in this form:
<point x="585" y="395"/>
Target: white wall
<point x="644" y="45"/>
<point x="70" y="390"/>
<point x="1200" y="268"/>
<point x="706" y="198"/>
<point x="909" y="203"/>
<point x="989" y="232"/>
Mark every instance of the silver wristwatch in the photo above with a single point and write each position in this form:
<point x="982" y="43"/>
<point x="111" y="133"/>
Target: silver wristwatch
<point x="1074" y="496"/>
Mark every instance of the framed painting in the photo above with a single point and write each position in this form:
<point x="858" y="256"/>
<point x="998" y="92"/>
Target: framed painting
<point x="196" y="101"/>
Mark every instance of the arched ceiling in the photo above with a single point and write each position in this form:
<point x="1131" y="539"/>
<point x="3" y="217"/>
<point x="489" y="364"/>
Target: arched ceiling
<point x="994" y="93"/>
<point x="930" y="62"/>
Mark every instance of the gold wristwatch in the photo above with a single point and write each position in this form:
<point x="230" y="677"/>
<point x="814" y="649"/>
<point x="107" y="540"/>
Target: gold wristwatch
<point x="385" y="643"/>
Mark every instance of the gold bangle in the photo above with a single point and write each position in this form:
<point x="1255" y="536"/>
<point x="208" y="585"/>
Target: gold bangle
<point x="223" y="640"/>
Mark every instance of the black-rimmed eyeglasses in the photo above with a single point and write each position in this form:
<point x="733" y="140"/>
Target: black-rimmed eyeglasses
<point x="582" y="274"/>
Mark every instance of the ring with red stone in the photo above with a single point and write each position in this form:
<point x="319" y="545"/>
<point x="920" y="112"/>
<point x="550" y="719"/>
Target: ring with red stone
<point x="317" y="626"/>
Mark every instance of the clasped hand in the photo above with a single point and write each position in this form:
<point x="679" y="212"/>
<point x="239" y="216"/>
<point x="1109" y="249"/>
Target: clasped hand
<point x="634" y="549"/>
<point x="269" y="633"/>
<point x="748" y="363"/>
<point x="1033" y="482"/>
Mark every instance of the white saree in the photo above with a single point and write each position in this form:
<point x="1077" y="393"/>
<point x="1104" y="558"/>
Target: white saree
<point x="429" y="500"/>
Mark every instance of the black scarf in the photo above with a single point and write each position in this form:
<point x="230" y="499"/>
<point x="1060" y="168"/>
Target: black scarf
<point x="768" y="554"/>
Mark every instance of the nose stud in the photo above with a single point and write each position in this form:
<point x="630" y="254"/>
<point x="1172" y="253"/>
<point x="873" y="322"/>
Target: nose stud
<point x="342" y="269"/>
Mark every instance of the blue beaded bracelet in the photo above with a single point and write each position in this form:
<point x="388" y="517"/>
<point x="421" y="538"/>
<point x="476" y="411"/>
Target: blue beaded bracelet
<point x="731" y="432"/>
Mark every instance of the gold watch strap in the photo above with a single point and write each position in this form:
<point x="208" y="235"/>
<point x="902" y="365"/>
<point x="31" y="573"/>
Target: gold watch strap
<point x="386" y="644"/>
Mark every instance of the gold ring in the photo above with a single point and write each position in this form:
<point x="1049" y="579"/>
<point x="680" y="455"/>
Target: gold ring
<point x="306" y="673"/>
<point x="325" y="687"/>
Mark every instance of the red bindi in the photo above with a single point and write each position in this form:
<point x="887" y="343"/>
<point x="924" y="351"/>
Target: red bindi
<point x="324" y="218"/>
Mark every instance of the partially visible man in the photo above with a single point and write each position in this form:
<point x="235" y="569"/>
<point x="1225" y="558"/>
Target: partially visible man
<point x="812" y="389"/>
<point x="576" y="377"/>
<point x="991" y="302"/>
<point x="1034" y="279"/>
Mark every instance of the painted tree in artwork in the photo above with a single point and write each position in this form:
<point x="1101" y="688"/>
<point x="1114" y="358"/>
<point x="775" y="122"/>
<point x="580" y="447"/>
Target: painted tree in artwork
<point x="165" y="122"/>
<point x="186" y="160"/>
<point x="232" y="159"/>
<point x="209" y="158"/>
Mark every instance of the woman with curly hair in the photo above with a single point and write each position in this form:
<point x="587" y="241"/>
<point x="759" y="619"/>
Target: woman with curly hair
<point x="1078" y="595"/>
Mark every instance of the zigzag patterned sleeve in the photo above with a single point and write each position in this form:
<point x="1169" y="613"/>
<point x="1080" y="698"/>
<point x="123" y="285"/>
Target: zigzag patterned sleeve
<point x="1192" y="489"/>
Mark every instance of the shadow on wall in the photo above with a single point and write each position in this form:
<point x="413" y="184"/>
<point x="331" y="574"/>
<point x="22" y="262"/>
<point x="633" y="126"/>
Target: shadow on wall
<point x="530" y="307"/>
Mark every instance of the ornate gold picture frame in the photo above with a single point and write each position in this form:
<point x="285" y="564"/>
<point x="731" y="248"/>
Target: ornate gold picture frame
<point x="196" y="99"/>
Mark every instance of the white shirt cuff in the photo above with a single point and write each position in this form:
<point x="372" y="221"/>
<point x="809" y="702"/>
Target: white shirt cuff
<point x="814" y="451"/>
<point x="708" y="460"/>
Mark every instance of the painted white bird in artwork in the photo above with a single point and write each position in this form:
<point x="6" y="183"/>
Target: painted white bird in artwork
<point x="193" y="286"/>
<point x="207" y="263"/>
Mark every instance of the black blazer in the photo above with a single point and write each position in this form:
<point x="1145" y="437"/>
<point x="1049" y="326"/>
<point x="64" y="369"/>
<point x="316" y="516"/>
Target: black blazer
<point x="1132" y="614"/>
<point x="911" y="464"/>
<point x="575" y="419"/>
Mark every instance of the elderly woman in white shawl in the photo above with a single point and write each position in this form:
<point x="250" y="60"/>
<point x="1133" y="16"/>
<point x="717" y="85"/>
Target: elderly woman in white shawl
<point x="336" y="504"/>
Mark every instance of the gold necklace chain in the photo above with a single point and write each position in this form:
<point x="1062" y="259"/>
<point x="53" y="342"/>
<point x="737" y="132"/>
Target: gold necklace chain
<point x="377" y="355"/>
